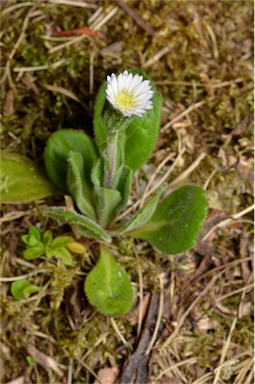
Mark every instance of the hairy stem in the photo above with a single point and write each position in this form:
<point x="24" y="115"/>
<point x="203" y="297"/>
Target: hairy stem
<point x="111" y="159"/>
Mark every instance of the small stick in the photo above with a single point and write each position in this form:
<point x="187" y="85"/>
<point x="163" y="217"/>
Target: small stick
<point x="187" y="171"/>
<point x="76" y="32"/>
<point x="159" y="318"/>
<point x="139" y="21"/>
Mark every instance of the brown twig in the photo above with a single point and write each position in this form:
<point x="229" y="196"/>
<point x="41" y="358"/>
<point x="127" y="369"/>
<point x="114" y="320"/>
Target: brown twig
<point x="76" y="32"/>
<point x="139" y="21"/>
<point x="136" y="371"/>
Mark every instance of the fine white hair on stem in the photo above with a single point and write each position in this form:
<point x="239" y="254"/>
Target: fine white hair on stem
<point x="129" y="94"/>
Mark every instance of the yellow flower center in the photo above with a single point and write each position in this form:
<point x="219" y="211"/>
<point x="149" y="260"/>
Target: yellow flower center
<point x="125" y="100"/>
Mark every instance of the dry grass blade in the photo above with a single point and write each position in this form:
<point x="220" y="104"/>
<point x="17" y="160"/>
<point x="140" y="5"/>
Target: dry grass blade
<point x="186" y="362"/>
<point x="103" y="18"/>
<point x="164" y="51"/>
<point x="188" y="171"/>
<point x="63" y="91"/>
<point x="187" y="312"/>
<point x="158" y="169"/>
<point x="45" y="361"/>
<point x="42" y="67"/>
<point x="229" y="221"/>
<point x="74" y="3"/>
<point x="224" y="351"/>
<point x="7" y="72"/>
<point x="182" y="114"/>
<point x="17" y="6"/>
<point x="21" y="277"/>
<point x="160" y="311"/>
<point x="116" y="329"/>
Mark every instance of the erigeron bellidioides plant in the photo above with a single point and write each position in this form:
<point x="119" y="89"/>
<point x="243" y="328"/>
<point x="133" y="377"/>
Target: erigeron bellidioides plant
<point x="98" y="175"/>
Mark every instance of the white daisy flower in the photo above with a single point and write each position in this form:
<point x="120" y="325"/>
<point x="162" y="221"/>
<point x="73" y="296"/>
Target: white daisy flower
<point x="129" y="94"/>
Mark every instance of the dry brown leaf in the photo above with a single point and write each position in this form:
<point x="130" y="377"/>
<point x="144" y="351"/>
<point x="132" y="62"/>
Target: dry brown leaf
<point x="8" y="105"/>
<point x="18" y="380"/>
<point x="246" y="171"/>
<point x="45" y="361"/>
<point x="142" y="308"/>
<point x="30" y="84"/>
<point x="241" y="127"/>
<point x="107" y="375"/>
<point x="76" y="306"/>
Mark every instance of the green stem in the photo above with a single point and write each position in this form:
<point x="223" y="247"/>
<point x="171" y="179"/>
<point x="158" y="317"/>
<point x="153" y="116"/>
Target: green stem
<point x="111" y="159"/>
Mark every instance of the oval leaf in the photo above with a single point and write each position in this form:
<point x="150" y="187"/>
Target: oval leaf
<point x="23" y="288"/>
<point x="61" y="241"/>
<point x="33" y="252"/>
<point x="108" y="287"/>
<point x="22" y="180"/>
<point x="142" y="135"/>
<point x="57" y="150"/>
<point x="177" y="221"/>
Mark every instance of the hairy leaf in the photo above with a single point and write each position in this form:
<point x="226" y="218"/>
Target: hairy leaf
<point x="124" y="187"/>
<point x="177" y="221"/>
<point x="142" y="135"/>
<point x="79" y="220"/>
<point x="57" y="150"/>
<point x="144" y="214"/>
<point x="22" y="180"/>
<point x="78" y="184"/>
<point x="106" y="201"/>
<point x="108" y="287"/>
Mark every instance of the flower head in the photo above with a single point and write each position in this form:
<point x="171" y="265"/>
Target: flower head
<point x="129" y="94"/>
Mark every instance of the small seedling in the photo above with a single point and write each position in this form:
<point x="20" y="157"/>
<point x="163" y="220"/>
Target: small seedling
<point x="22" y="289"/>
<point x="43" y="244"/>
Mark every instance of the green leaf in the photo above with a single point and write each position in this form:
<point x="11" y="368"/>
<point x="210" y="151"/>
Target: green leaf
<point x="22" y="180"/>
<point x="142" y="135"/>
<point x="60" y="253"/>
<point x="47" y="238"/>
<point x="177" y="221"/>
<point x="78" y="184"/>
<point x="61" y="241"/>
<point x="21" y="289"/>
<point x="124" y="187"/>
<point x="108" y="287"/>
<point x="57" y="150"/>
<point x="97" y="173"/>
<point x="144" y="214"/>
<point x="106" y="202"/>
<point x="79" y="220"/>
<point x="33" y="237"/>
<point x="99" y="126"/>
<point x="30" y="360"/>
<point x="33" y="252"/>
<point x="33" y="231"/>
